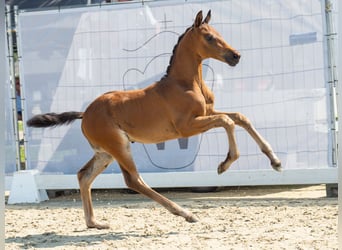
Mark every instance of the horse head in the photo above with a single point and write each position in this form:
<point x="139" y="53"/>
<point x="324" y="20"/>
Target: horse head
<point x="210" y="44"/>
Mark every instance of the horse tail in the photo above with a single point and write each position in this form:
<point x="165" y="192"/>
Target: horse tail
<point x="53" y="119"/>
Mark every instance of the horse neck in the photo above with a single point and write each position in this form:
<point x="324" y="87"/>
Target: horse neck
<point x="187" y="64"/>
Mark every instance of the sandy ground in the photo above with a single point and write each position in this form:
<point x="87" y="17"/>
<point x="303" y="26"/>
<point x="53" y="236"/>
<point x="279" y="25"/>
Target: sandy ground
<point x="234" y="218"/>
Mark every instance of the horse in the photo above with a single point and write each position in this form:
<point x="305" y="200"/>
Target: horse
<point x="179" y="105"/>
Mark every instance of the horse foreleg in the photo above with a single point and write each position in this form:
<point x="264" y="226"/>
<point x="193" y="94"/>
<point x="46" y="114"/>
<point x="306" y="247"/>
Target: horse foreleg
<point x="85" y="178"/>
<point x="231" y="157"/>
<point x="265" y="147"/>
<point x="203" y="123"/>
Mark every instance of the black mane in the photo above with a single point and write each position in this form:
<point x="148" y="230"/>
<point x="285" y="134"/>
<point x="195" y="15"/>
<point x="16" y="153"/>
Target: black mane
<point x="174" y="50"/>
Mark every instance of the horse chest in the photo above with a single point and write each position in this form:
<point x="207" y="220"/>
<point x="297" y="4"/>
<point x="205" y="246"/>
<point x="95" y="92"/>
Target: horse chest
<point x="208" y="98"/>
<point x="198" y="106"/>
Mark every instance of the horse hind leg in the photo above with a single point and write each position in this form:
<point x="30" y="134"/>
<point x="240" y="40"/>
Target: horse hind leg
<point x="85" y="178"/>
<point x="136" y="183"/>
<point x="122" y="154"/>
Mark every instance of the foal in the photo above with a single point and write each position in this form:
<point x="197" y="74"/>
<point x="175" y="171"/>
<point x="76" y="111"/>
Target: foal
<point x="182" y="104"/>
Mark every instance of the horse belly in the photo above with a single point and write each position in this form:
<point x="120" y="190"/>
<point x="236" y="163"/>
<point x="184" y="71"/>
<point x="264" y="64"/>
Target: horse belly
<point x="153" y="131"/>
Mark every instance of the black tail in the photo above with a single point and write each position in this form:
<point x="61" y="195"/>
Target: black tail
<point x="53" y="119"/>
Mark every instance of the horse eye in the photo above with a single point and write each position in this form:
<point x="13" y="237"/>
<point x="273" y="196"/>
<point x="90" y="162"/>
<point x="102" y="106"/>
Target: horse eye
<point x="209" y="38"/>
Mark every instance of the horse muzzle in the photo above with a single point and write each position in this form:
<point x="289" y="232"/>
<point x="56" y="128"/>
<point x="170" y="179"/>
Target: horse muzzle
<point x="232" y="58"/>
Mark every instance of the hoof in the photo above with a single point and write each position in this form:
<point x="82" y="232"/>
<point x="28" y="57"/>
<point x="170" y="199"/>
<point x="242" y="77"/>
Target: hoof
<point x="98" y="226"/>
<point x="277" y="166"/>
<point x="191" y="218"/>
<point x="222" y="168"/>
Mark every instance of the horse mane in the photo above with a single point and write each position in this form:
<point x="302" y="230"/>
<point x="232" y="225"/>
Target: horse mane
<point x="174" y="50"/>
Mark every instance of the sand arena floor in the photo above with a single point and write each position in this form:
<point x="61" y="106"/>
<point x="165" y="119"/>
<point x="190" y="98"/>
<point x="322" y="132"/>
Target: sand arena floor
<point x="291" y="217"/>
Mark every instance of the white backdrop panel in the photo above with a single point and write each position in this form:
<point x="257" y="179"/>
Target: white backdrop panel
<point x="69" y="57"/>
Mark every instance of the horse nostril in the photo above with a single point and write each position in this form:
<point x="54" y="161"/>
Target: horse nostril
<point x="236" y="56"/>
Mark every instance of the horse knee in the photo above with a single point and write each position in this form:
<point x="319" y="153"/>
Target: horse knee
<point x="85" y="171"/>
<point x="229" y="124"/>
<point x="133" y="184"/>
<point x="83" y="176"/>
<point x="80" y="174"/>
<point x="130" y="180"/>
<point x="93" y="168"/>
<point x="242" y="120"/>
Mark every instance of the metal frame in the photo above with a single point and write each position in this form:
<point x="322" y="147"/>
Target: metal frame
<point x="3" y="79"/>
<point x="12" y="81"/>
<point x="339" y="152"/>
<point x="332" y="76"/>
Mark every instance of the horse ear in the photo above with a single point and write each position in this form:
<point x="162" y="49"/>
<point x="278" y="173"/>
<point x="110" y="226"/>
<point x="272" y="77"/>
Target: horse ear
<point x="198" y="19"/>
<point x="208" y="17"/>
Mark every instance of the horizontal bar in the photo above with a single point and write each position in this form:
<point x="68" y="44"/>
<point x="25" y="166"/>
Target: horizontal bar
<point x="200" y="179"/>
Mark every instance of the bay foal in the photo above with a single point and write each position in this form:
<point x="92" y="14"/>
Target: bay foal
<point x="179" y="105"/>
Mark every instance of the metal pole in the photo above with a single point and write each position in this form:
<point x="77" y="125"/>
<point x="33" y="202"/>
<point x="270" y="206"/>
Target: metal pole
<point x="22" y="91"/>
<point x="12" y="82"/>
<point x="3" y="75"/>
<point x="339" y="106"/>
<point x="332" y="77"/>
